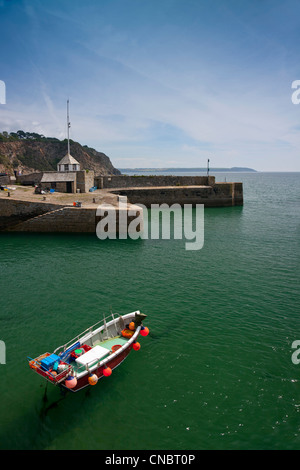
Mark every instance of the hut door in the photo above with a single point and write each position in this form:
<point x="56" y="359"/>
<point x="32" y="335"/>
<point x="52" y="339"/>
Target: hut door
<point x="69" y="187"/>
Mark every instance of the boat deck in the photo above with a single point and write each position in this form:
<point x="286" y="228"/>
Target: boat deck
<point x="107" y="344"/>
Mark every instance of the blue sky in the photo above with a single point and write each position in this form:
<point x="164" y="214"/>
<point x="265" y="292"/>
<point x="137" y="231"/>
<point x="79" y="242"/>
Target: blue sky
<point x="157" y="83"/>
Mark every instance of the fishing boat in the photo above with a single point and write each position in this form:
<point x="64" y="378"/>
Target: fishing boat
<point x="92" y="354"/>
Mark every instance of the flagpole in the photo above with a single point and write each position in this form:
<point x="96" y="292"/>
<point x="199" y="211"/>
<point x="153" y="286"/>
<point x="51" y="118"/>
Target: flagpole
<point x="68" y="125"/>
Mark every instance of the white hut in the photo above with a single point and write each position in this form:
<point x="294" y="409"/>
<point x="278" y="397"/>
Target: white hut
<point x="68" y="163"/>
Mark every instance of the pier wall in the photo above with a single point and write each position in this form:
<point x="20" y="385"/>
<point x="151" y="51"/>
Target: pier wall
<point x="28" y="216"/>
<point x="29" y="179"/>
<point x="14" y="211"/>
<point x="218" y="195"/>
<point x="159" y="189"/>
<point x="125" y="181"/>
<point x="66" y="219"/>
<point x="5" y="180"/>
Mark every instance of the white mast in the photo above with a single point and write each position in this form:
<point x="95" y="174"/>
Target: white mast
<point x="68" y="125"/>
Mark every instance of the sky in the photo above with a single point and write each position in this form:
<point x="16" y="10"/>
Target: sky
<point x="157" y="83"/>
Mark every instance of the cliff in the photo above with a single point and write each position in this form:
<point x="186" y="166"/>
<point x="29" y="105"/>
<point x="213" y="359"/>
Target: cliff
<point x="31" y="152"/>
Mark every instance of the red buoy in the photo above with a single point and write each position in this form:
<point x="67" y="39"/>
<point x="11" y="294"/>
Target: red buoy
<point x="136" y="346"/>
<point x="144" y="331"/>
<point x="107" y="371"/>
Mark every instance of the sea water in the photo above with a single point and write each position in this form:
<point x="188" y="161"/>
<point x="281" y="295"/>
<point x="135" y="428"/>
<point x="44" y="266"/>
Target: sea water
<point x="216" y="370"/>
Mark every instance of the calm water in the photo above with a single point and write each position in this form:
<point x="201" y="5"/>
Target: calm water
<point x="215" y="371"/>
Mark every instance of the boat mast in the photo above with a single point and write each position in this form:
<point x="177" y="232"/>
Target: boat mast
<point x="68" y="125"/>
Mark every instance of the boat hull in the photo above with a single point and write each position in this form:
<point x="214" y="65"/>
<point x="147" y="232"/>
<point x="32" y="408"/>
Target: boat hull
<point x="83" y="382"/>
<point x="72" y="365"/>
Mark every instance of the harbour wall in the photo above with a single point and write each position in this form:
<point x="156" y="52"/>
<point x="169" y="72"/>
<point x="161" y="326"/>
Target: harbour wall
<point x="159" y="189"/>
<point x="140" y="181"/>
<point x="217" y="195"/>
<point x="15" y="211"/>
<point x="65" y="219"/>
<point x="32" y="215"/>
<point x="29" y="216"/>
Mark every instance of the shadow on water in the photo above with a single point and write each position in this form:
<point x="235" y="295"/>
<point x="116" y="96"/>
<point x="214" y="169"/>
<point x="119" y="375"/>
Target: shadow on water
<point x="46" y="406"/>
<point x="47" y="414"/>
<point x="49" y="403"/>
<point x="55" y="412"/>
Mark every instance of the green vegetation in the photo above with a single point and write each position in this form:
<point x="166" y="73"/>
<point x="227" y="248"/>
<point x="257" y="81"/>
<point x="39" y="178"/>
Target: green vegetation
<point x="4" y="160"/>
<point x="34" y="161"/>
<point x="33" y="151"/>
<point x="21" y="135"/>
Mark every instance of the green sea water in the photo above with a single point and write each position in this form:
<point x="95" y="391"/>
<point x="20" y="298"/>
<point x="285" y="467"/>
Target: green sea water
<point x="216" y="370"/>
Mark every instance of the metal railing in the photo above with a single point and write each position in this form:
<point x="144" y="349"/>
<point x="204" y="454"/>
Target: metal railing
<point x="91" y="329"/>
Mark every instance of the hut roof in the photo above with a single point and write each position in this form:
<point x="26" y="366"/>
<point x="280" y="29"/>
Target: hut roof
<point x="68" y="160"/>
<point x="55" y="176"/>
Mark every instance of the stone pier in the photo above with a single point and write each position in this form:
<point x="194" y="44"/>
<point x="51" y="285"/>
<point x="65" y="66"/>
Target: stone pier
<point x="32" y="213"/>
<point x="21" y="210"/>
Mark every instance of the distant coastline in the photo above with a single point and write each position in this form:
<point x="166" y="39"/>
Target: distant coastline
<point x="176" y="170"/>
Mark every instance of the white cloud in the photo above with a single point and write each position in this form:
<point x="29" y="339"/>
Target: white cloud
<point x="166" y="96"/>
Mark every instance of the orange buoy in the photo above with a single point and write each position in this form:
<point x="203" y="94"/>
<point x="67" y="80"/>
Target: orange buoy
<point x="33" y="364"/>
<point x="93" y="379"/>
<point x="132" y="325"/>
<point x="136" y="346"/>
<point x="127" y="333"/>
